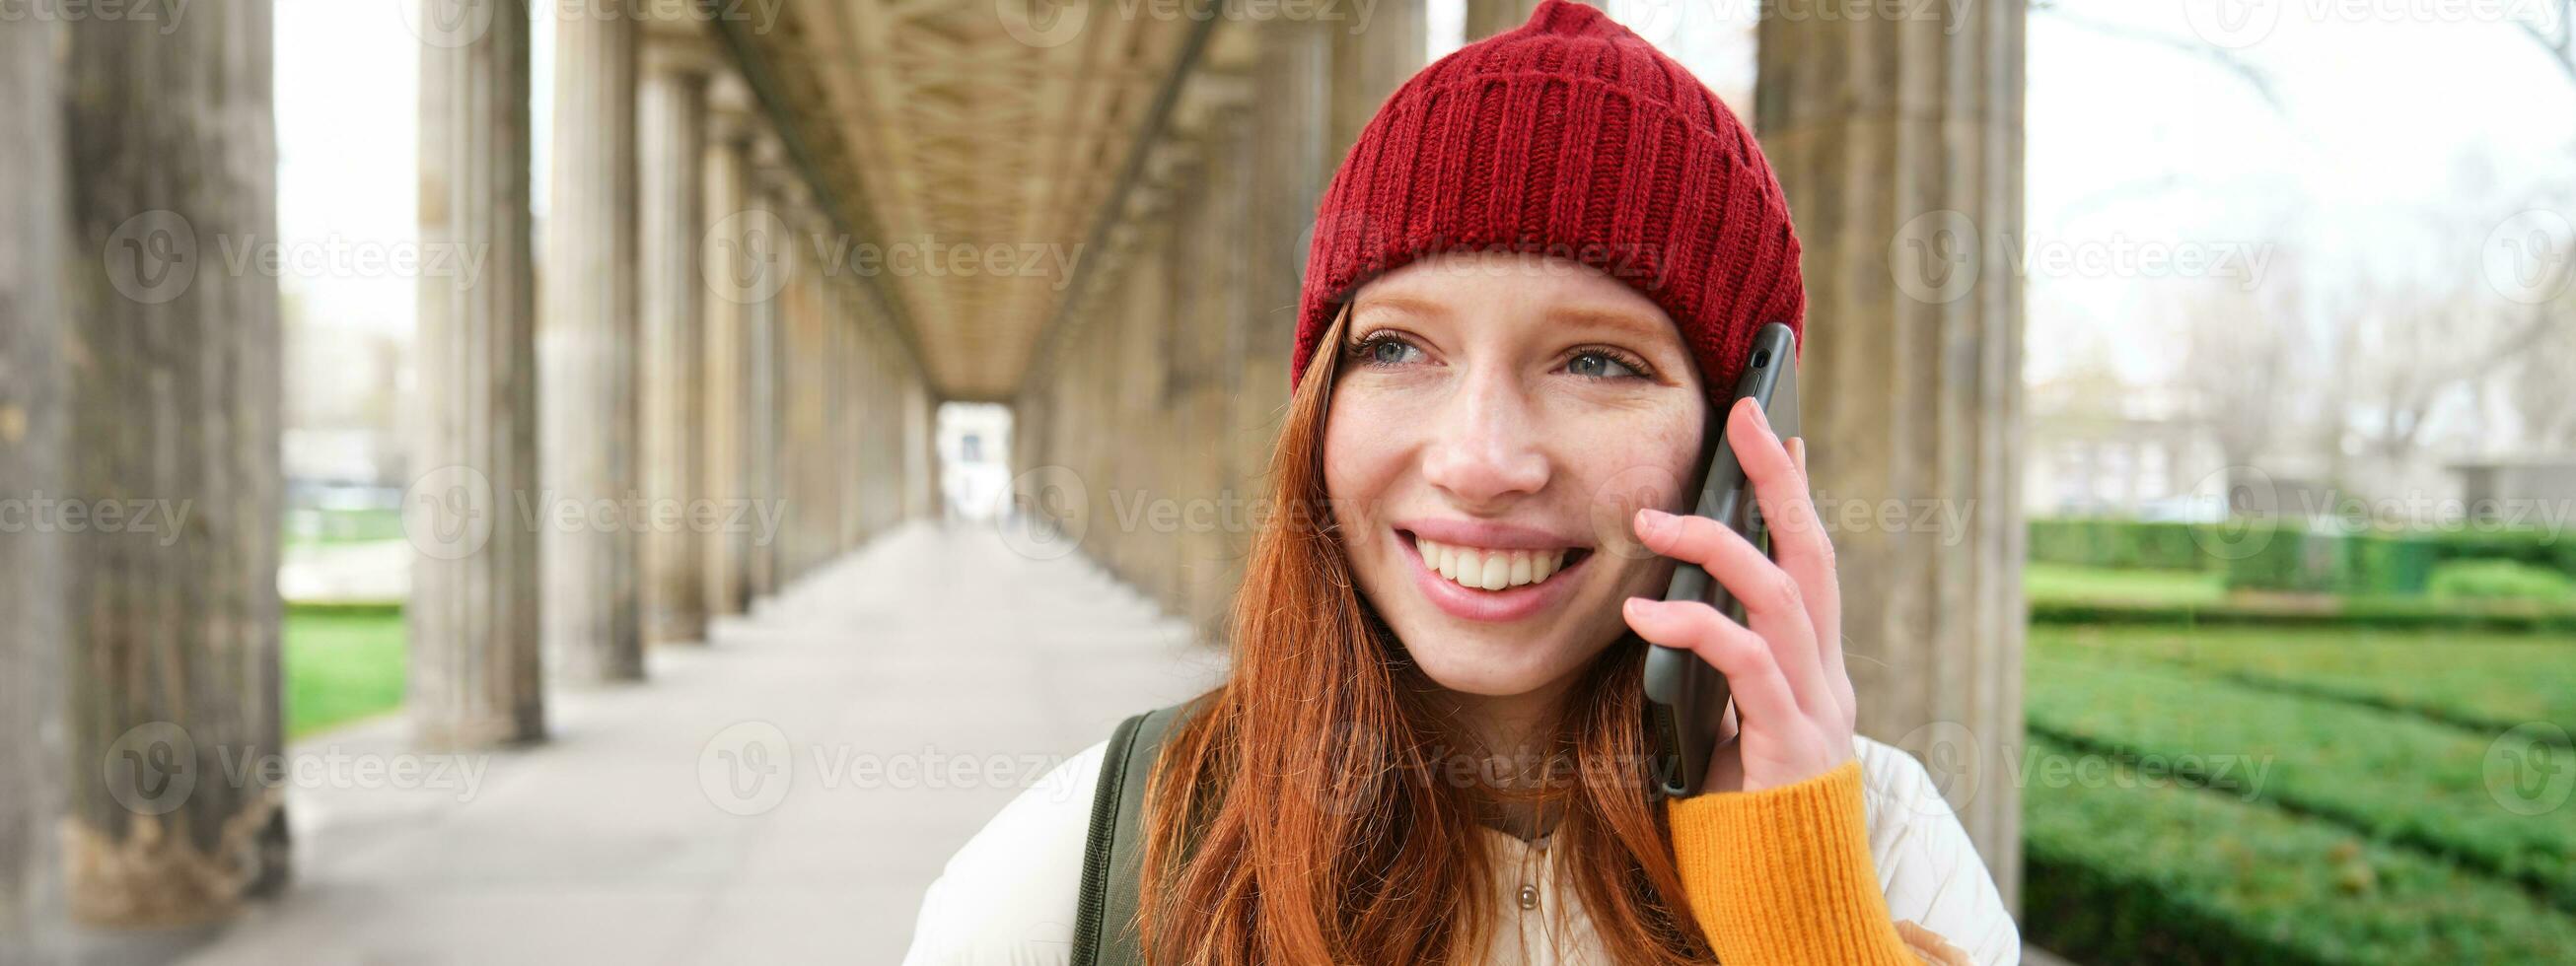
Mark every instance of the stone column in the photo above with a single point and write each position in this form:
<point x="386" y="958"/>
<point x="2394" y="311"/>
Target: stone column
<point x="832" y="384"/>
<point x="773" y="199"/>
<point x="1486" y="18"/>
<point x="670" y="132"/>
<point x="1370" y="62"/>
<point x="1292" y="157"/>
<point x="33" y="460"/>
<point x="1900" y="144"/>
<point x="171" y="669"/>
<point x="475" y="675"/>
<point x="800" y="340"/>
<point x="851" y="424"/>
<point x="736" y="262"/>
<point x="1215" y="350"/>
<point x="587" y="345"/>
<point x="921" y="448"/>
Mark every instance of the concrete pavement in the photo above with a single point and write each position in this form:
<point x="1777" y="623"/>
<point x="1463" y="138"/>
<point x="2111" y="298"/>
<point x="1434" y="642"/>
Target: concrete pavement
<point x="781" y="796"/>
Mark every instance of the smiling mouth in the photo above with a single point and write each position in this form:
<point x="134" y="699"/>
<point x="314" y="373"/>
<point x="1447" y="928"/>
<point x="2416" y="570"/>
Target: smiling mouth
<point x="1478" y="568"/>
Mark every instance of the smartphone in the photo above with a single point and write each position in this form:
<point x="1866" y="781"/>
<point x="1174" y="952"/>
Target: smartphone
<point x="1686" y="698"/>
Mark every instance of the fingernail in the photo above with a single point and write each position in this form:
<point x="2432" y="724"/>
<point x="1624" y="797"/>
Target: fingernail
<point x="1652" y="522"/>
<point x="1639" y="607"/>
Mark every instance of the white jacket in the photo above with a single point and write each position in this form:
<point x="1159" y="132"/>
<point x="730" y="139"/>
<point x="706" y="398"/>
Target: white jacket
<point x="1007" y="898"/>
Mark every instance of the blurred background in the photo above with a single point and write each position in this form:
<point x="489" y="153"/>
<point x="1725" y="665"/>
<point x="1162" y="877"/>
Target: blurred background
<point x="645" y="480"/>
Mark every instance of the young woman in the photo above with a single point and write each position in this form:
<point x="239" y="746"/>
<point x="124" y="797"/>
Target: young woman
<point x="1531" y="287"/>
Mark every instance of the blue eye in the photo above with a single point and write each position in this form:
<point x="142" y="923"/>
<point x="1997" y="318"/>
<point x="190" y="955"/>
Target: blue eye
<point x="1599" y="365"/>
<point x="1385" y="351"/>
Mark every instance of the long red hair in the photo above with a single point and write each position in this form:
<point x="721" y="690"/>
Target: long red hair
<point x="1306" y="815"/>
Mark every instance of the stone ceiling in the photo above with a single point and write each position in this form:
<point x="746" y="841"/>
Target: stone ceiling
<point x="944" y="125"/>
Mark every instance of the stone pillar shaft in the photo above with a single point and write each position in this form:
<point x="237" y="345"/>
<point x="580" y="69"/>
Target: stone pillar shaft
<point x="1900" y="143"/>
<point x="176" y="404"/>
<point x="1486" y="18"/>
<point x="475" y="661"/>
<point x="588" y="348"/>
<point x="670" y="133"/>
<point x="857" y="354"/>
<point x="1292" y="157"/>
<point x="33" y="414"/>
<point x="774" y="242"/>
<point x="732" y="270"/>
<point x="1371" y="62"/>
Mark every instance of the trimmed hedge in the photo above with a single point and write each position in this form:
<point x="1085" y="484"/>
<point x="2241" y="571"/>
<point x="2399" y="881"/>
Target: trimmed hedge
<point x="2399" y="779"/>
<point x="2286" y="554"/>
<point x="2127" y="544"/>
<point x="2427" y="613"/>
<point x="2485" y="682"/>
<point x="2499" y="580"/>
<point x="329" y="608"/>
<point x="2121" y="872"/>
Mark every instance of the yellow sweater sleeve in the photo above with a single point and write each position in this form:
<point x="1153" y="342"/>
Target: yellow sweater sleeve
<point x="1783" y="877"/>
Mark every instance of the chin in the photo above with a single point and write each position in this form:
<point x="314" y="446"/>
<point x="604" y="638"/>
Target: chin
<point x="1470" y="663"/>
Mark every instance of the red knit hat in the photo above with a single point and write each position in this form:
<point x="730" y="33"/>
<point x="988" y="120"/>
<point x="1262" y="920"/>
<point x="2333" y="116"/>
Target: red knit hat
<point x="1571" y="136"/>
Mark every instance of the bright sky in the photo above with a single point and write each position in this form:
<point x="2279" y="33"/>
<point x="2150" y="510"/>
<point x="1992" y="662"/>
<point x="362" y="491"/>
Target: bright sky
<point x="2391" y="123"/>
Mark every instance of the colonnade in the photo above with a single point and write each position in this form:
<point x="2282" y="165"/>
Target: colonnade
<point x="673" y="397"/>
<point x="666" y="402"/>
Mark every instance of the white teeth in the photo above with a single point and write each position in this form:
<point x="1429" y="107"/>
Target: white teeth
<point x="1489" y="569"/>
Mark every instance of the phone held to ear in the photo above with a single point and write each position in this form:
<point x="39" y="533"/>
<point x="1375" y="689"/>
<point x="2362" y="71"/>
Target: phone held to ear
<point x="1686" y="698"/>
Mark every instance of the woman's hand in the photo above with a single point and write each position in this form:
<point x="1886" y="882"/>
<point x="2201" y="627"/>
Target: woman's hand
<point x="1786" y="670"/>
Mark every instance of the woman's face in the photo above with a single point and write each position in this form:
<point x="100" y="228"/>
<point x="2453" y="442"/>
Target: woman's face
<point x="1496" y="422"/>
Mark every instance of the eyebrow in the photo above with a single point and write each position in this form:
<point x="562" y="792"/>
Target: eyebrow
<point x="1399" y="303"/>
<point x="1623" y="320"/>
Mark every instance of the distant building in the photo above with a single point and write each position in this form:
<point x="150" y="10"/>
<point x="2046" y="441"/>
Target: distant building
<point x="2114" y="451"/>
<point x="2502" y="488"/>
<point x="974" y="458"/>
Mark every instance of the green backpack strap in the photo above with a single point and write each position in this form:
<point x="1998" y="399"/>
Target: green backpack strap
<point x="1104" y="928"/>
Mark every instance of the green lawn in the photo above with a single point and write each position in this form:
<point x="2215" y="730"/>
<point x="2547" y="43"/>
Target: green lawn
<point x="2172" y="588"/>
<point x="342" y="664"/>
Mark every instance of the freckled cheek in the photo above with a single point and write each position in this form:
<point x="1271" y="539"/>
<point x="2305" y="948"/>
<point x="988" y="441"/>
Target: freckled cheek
<point x="1643" y="463"/>
<point x="1362" y="468"/>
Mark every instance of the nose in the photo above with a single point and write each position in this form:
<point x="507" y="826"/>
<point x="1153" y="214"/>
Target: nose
<point x="1485" y="446"/>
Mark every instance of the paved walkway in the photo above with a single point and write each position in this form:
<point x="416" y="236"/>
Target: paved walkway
<point x="783" y="796"/>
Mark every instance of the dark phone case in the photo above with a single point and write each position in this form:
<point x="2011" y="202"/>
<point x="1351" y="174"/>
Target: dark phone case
<point x="1686" y="698"/>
